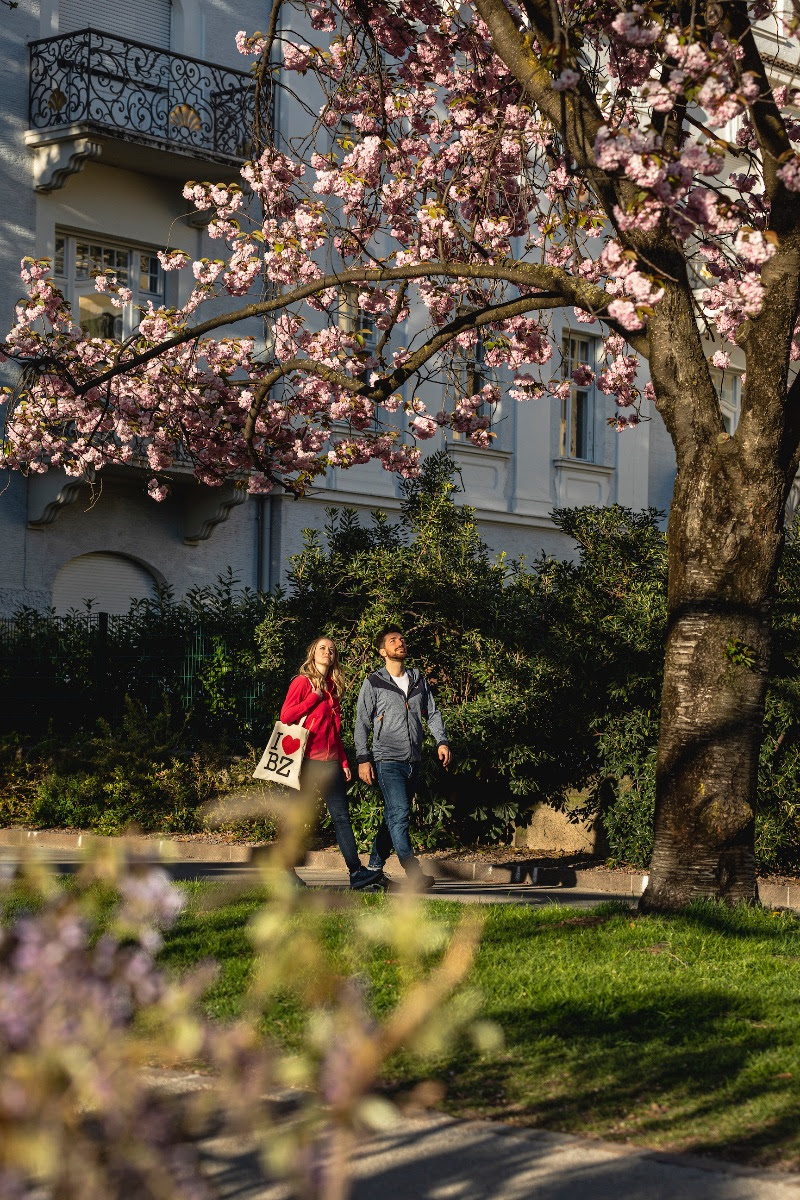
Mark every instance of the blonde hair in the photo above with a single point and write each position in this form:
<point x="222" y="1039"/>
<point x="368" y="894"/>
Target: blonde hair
<point x="309" y="667"/>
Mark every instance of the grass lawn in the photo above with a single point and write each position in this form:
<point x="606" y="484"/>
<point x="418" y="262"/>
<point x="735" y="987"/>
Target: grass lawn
<point x="680" y="1033"/>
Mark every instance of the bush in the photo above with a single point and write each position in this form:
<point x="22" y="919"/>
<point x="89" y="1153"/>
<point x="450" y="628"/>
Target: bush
<point x="476" y="628"/>
<point x="136" y="775"/>
<point x="548" y="675"/>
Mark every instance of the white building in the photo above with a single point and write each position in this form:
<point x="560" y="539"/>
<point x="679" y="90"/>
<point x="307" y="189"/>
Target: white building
<point x="108" y="108"/>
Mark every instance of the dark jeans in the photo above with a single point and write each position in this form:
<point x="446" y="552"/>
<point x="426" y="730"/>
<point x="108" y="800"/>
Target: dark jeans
<point x="398" y="783"/>
<point x="328" y="779"/>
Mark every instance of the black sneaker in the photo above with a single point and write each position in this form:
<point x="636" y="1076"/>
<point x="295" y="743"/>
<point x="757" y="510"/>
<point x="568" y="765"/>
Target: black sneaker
<point x="420" y="882"/>
<point x="367" y="880"/>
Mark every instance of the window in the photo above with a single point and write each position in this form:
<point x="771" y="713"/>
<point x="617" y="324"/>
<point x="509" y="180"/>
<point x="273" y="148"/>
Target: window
<point x="145" y="21"/>
<point x="355" y="321"/>
<point x="577" y="409"/>
<point x="79" y="259"/>
<point x="468" y="376"/>
<point x="729" y="390"/>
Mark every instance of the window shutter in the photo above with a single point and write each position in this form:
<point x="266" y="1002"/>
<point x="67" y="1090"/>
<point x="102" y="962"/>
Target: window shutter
<point x="110" y="581"/>
<point x="145" y="21"/>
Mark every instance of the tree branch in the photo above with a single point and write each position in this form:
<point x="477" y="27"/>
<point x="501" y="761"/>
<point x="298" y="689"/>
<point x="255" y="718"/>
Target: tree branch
<point x="263" y="81"/>
<point x="767" y="121"/>
<point x="380" y="391"/>
<point x="576" y="114"/>
<point x="558" y="288"/>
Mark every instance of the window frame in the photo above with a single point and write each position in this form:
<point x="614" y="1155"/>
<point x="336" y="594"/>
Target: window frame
<point x="354" y="321"/>
<point x="568" y="417"/>
<point x="730" y="405"/>
<point x="468" y="375"/>
<point x="75" y="285"/>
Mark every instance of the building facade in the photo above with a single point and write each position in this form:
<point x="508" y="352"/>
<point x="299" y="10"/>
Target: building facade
<point x="107" y="110"/>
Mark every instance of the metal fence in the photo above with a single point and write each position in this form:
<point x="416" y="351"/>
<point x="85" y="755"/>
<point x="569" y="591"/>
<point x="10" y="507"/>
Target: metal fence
<point x="140" y="92"/>
<point x="65" y="672"/>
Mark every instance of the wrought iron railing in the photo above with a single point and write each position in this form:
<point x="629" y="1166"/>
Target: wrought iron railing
<point x="140" y="93"/>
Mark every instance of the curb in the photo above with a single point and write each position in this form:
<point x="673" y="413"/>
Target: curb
<point x="157" y="846"/>
<point x="456" y="870"/>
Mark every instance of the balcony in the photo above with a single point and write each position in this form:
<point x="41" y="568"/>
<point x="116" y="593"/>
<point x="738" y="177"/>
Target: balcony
<point x="95" y="95"/>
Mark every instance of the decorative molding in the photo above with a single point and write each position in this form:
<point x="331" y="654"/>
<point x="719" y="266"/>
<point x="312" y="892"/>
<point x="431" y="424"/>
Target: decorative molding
<point x="582" y="466"/>
<point x="48" y="494"/>
<point x="206" y="507"/>
<point x="578" y="482"/>
<point x="56" y="158"/>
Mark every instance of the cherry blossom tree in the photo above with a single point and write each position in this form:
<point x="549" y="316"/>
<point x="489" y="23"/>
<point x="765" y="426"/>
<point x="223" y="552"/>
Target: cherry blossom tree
<point x="488" y="165"/>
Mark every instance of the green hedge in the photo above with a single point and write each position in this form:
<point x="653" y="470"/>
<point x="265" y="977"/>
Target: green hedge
<point x="548" y="674"/>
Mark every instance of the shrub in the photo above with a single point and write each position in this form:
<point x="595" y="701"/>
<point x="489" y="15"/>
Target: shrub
<point x="548" y="675"/>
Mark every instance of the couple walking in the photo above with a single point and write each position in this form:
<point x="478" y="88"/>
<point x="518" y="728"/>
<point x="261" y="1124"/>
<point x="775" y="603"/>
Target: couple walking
<point x="392" y="704"/>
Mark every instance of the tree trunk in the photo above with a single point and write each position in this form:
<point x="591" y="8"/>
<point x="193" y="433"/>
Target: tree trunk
<point x="724" y="540"/>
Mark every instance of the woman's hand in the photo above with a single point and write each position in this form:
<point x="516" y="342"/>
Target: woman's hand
<point x="348" y="774"/>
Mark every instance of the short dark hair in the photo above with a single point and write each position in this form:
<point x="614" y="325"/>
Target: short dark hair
<point x="384" y="633"/>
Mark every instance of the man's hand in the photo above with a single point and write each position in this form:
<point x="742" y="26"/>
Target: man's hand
<point x="444" y="756"/>
<point x="366" y="773"/>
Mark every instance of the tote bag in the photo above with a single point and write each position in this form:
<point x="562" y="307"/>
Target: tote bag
<point x="283" y="757"/>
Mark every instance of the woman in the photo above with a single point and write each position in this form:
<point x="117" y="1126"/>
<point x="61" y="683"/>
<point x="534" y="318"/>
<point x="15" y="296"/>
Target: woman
<point x="314" y="694"/>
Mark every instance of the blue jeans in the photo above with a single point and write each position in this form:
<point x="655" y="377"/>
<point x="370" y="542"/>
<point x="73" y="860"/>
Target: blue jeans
<point x="328" y="779"/>
<point x="398" y="783"/>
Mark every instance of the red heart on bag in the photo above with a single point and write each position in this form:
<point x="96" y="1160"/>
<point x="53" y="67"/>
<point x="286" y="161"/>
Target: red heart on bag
<point x="290" y="744"/>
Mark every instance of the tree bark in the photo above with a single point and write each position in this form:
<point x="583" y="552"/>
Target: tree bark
<point x="725" y="534"/>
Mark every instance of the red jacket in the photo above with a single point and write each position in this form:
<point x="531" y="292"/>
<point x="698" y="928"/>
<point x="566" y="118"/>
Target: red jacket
<point x="323" y="719"/>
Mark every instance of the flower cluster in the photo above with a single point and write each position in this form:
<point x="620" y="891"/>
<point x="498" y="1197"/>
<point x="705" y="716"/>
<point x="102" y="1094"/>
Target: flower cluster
<point x="431" y="186"/>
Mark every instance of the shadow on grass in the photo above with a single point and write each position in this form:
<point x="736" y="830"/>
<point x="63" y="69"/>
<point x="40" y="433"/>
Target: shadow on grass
<point x="674" y="1069"/>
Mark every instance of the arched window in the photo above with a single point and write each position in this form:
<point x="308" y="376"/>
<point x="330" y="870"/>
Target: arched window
<point x="110" y="581"/>
<point x="143" y="21"/>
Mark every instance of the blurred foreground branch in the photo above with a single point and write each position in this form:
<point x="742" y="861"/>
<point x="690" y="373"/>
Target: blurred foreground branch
<point x="85" y="1005"/>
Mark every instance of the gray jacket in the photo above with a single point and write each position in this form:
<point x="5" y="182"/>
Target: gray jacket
<point x="394" y="721"/>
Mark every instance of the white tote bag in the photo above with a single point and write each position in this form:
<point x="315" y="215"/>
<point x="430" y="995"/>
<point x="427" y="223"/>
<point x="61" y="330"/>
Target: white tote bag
<point x="283" y="757"/>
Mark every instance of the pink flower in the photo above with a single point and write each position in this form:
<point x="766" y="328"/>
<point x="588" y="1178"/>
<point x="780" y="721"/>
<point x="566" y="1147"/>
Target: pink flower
<point x="752" y="246"/>
<point x="583" y="375"/>
<point x="721" y="359"/>
<point x="566" y="80"/>
<point x="624" y="311"/>
<point x="789" y="174"/>
<point x="297" y="56"/>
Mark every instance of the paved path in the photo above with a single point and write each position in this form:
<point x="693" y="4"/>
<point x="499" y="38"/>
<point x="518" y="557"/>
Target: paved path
<point x="486" y="893"/>
<point x="464" y="891"/>
<point x="439" y="1158"/>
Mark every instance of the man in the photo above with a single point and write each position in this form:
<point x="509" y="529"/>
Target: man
<point x="392" y="705"/>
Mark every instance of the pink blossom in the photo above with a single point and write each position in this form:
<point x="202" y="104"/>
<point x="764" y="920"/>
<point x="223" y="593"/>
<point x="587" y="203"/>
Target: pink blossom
<point x="789" y="174"/>
<point x="630" y="27"/>
<point x="566" y="80"/>
<point x="583" y="375"/>
<point x="424" y="427"/>
<point x="297" y="56"/>
<point x="624" y="311"/>
<point x="721" y="359"/>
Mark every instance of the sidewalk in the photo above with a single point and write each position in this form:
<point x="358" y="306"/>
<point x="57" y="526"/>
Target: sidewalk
<point x="435" y="1157"/>
<point x="59" y="845"/>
